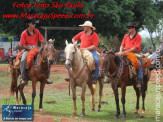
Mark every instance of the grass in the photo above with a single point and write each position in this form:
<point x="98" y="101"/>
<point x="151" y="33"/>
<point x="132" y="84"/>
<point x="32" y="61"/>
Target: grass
<point x="58" y="103"/>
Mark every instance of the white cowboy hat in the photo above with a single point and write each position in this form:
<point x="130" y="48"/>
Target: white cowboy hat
<point x="89" y="24"/>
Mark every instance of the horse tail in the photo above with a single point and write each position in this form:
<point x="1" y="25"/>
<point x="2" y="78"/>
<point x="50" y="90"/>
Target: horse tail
<point x="13" y="86"/>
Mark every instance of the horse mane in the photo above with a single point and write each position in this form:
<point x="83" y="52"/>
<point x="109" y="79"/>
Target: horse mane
<point x="117" y="58"/>
<point x="41" y="49"/>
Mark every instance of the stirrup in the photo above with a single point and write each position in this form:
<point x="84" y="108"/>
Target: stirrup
<point x="48" y="82"/>
<point x="67" y="79"/>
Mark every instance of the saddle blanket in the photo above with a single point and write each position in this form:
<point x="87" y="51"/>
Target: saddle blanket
<point x="30" y="56"/>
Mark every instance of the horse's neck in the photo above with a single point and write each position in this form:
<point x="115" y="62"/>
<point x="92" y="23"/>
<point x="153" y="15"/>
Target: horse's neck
<point x="78" y="62"/>
<point x="113" y="66"/>
<point x="43" y="64"/>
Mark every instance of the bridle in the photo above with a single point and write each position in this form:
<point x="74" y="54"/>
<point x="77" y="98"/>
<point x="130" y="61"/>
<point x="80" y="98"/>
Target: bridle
<point x="117" y="73"/>
<point x="71" y="60"/>
<point x="105" y="70"/>
<point x="44" y="60"/>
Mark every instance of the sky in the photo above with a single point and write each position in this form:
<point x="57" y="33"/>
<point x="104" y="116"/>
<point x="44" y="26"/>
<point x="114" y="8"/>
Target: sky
<point x="144" y="34"/>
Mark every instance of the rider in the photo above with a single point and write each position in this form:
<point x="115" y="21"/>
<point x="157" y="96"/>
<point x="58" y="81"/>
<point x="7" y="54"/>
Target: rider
<point x="29" y="40"/>
<point x="89" y="41"/>
<point x="132" y="43"/>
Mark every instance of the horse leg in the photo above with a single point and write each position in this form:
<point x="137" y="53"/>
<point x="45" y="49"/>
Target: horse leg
<point x="16" y="90"/>
<point x="22" y="94"/>
<point x="100" y="93"/>
<point x="137" y="101"/>
<point x="92" y="96"/>
<point x="83" y="99"/>
<point x="17" y="101"/>
<point x="123" y="88"/>
<point x="33" y="92"/>
<point x="117" y="101"/>
<point x="144" y="89"/>
<point x="41" y="96"/>
<point x="73" y="87"/>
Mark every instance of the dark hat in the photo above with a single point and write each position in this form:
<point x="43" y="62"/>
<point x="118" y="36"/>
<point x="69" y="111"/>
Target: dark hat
<point x="29" y="20"/>
<point x="132" y="24"/>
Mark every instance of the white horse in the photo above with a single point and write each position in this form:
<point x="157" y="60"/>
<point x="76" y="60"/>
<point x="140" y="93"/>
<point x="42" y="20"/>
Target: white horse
<point x="80" y="76"/>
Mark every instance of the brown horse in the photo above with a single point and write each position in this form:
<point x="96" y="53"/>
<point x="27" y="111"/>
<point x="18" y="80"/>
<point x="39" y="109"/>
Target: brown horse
<point x="116" y="68"/>
<point x="38" y="72"/>
<point x="80" y="76"/>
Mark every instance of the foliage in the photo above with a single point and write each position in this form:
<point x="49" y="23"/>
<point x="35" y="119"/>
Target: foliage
<point x="111" y="43"/>
<point x="110" y="17"/>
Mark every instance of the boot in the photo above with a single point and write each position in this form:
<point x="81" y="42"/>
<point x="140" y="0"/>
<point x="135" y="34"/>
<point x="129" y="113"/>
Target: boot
<point x="48" y="82"/>
<point x="23" y="81"/>
<point x="67" y="79"/>
<point x="94" y="81"/>
<point x="139" y="82"/>
<point x="152" y="67"/>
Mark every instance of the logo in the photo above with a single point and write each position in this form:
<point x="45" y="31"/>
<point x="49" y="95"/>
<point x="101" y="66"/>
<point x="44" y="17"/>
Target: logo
<point x="17" y="112"/>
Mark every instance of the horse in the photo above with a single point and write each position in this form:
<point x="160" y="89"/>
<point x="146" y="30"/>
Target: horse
<point x="39" y="71"/>
<point x="80" y="76"/>
<point x="116" y="69"/>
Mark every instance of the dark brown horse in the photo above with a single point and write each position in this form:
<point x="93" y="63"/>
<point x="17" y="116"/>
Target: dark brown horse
<point x="116" y="69"/>
<point x="80" y="75"/>
<point x="38" y="72"/>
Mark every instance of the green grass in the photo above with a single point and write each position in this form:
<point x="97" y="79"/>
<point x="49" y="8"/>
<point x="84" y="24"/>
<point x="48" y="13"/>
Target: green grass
<point x="62" y="104"/>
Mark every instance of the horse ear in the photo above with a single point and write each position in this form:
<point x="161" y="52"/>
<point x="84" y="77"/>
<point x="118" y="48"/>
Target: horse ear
<point x="66" y="42"/>
<point x="104" y="51"/>
<point x="75" y="44"/>
<point x="109" y="51"/>
<point x="51" y="41"/>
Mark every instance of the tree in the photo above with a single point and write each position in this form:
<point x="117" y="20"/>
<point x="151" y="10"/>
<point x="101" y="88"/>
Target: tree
<point x="110" y="16"/>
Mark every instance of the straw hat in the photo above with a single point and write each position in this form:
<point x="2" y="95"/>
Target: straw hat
<point x="89" y="24"/>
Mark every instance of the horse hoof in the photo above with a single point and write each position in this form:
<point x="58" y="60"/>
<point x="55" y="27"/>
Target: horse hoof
<point x="116" y="117"/>
<point x="142" y="116"/>
<point x="74" y="113"/>
<point x="92" y="109"/>
<point x="135" y="112"/>
<point x="42" y="111"/>
<point x="98" y="110"/>
<point x="83" y="114"/>
<point x="123" y="118"/>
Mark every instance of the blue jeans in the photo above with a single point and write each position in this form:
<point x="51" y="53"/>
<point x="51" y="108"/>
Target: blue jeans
<point x="152" y="56"/>
<point x="140" y="71"/>
<point x="96" y="64"/>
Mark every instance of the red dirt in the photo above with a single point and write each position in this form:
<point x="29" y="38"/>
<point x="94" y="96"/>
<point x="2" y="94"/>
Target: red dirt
<point x="60" y="69"/>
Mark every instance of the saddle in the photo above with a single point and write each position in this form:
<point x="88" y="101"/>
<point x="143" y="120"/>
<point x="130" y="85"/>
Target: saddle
<point x="134" y="64"/>
<point x="30" y="58"/>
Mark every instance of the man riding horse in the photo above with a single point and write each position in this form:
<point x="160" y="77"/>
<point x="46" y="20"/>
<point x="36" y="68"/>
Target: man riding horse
<point x="132" y="43"/>
<point x="89" y="41"/>
<point x="29" y="40"/>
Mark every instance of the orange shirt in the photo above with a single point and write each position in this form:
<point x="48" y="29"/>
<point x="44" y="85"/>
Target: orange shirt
<point x="27" y="39"/>
<point x="129" y="43"/>
<point x="87" y="41"/>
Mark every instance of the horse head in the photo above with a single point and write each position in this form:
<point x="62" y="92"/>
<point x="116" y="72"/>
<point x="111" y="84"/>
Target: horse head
<point x="70" y="51"/>
<point x="48" y="52"/>
<point x="104" y="62"/>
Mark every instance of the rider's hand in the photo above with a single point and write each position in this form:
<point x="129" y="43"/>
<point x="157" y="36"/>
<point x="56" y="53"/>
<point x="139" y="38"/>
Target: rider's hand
<point x="121" y="53"/>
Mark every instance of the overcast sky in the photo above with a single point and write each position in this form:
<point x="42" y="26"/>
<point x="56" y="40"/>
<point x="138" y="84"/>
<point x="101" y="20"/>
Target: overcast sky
<point x="144" y="34"/>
